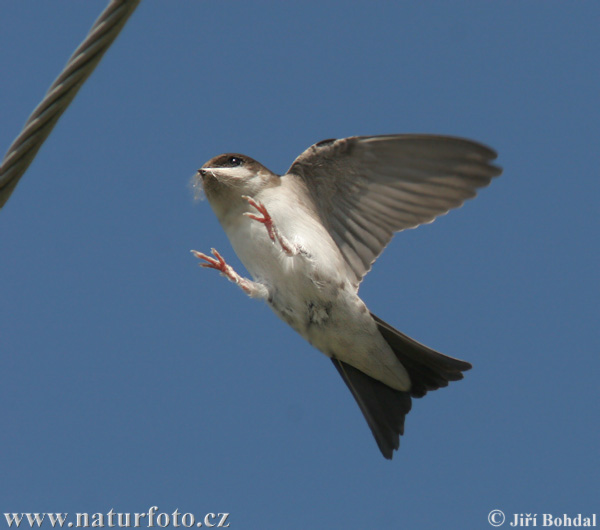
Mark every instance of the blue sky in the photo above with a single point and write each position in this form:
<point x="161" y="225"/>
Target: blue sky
<point x="130" y="377"/>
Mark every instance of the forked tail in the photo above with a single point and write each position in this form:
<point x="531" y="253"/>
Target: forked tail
<point x="385" y="408"/>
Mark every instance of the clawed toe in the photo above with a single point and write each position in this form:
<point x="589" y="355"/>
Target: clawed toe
<point x="265" y="218"/>
<point x="211" y="263"/>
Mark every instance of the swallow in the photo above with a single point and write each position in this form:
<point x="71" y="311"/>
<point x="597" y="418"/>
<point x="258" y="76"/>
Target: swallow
<point x="308" y="238"/>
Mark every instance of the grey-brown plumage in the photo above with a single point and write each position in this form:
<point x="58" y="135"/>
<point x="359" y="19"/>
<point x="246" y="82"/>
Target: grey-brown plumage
<point x="368" y="188"/>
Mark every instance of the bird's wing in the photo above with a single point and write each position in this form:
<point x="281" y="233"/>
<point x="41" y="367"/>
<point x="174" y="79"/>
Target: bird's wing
<point x="366" y="188"/>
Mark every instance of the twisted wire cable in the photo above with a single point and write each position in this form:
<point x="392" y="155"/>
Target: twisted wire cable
<point x="60" y="94"/>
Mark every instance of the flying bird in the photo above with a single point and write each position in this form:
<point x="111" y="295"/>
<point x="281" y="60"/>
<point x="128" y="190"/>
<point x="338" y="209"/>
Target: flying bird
<point x="309" y="236"/>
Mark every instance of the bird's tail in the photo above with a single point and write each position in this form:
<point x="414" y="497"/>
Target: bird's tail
<point x="385" y="408"/>
<point x="427" y="368"/>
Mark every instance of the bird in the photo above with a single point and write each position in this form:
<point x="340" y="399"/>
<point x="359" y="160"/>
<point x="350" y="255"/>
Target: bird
<point x="309" y="236"/>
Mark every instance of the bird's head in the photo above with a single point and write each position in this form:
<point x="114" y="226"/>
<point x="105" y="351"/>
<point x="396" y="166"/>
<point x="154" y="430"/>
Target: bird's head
<point x="227" y="177"/>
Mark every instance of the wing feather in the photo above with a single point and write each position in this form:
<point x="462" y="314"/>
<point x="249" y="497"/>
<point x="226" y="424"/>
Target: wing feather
<point x="367" y="188"/>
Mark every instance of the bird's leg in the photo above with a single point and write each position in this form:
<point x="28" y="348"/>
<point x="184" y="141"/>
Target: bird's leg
<point x="266" y="219"/>
<point x="252" y="289"/>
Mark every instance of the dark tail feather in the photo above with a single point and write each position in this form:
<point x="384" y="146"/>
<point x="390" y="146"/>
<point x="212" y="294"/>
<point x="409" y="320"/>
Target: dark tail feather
<point x="385" y="408"/>
<point x="428" y="369"/>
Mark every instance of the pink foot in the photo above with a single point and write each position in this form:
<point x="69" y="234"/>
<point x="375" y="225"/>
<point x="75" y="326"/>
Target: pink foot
<point x="212" y="263"/>
<point x="220" y="265"/>
<point x="253" y="289"/>
<point x="267" y="220"/>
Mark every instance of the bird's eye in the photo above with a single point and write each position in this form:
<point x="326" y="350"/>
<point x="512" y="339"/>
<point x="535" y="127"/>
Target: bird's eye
<point x="234" y="161"/>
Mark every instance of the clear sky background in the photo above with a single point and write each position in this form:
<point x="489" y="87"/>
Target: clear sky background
<point x="130" y="377"/>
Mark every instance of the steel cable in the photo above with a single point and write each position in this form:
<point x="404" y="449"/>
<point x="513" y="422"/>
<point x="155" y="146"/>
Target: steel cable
<point x="60" y="94"/>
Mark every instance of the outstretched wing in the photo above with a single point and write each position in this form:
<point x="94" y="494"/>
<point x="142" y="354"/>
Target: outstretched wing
<point x="367" y="188"/>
